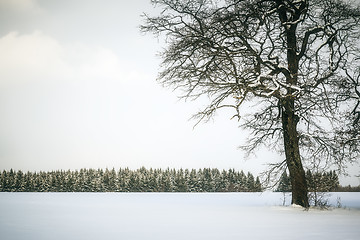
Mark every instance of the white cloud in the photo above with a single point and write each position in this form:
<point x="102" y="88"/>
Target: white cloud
<point x="39" y="57"/>
<point x="94" y="62"/>
<point x="29" y="56"/>
<point x="19" y="5"/>
<point x="61" y="101"/>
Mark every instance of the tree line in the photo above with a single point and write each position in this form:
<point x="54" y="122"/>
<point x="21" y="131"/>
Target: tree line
<point x="316" y="182"/>
<point x="319" y="184"/>
<point x="348" y="188"/>
<point x="126" y="180"/>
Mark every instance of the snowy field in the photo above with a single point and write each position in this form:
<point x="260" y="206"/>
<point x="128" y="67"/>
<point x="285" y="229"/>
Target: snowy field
<point x="173" y="216"/>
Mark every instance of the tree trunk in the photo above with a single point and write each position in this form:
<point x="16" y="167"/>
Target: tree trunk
<point x="292" y="153"/>
<point x="289" y="118"/>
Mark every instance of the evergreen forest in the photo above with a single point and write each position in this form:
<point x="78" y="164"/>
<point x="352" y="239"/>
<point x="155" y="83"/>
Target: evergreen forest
<point x="317" y="182"/>
<point x="126" y="180"/>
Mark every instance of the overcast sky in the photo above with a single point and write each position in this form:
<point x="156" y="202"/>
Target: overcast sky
<point x="78" y="90"/>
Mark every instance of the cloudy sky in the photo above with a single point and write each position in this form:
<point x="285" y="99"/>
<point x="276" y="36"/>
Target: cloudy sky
<point x="78" y="90"/>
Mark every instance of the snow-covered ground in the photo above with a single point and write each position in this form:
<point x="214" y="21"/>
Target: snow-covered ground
<point x="172" y="216"/>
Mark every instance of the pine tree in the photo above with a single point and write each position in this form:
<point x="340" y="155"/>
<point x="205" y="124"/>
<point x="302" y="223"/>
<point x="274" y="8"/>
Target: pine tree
<point x="257" y="187"/>
<point x="180" y="182"/>
<point x="284" y="183"/>
<point x="250" y="182"/>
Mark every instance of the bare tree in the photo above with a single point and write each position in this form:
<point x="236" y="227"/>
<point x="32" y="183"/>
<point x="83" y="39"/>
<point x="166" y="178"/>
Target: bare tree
<point x="292" y="59"/>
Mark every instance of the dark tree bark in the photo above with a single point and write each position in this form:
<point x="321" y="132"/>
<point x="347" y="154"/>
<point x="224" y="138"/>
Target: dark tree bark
<point x="289" y="118"/>
<point x="292" y="154"/>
